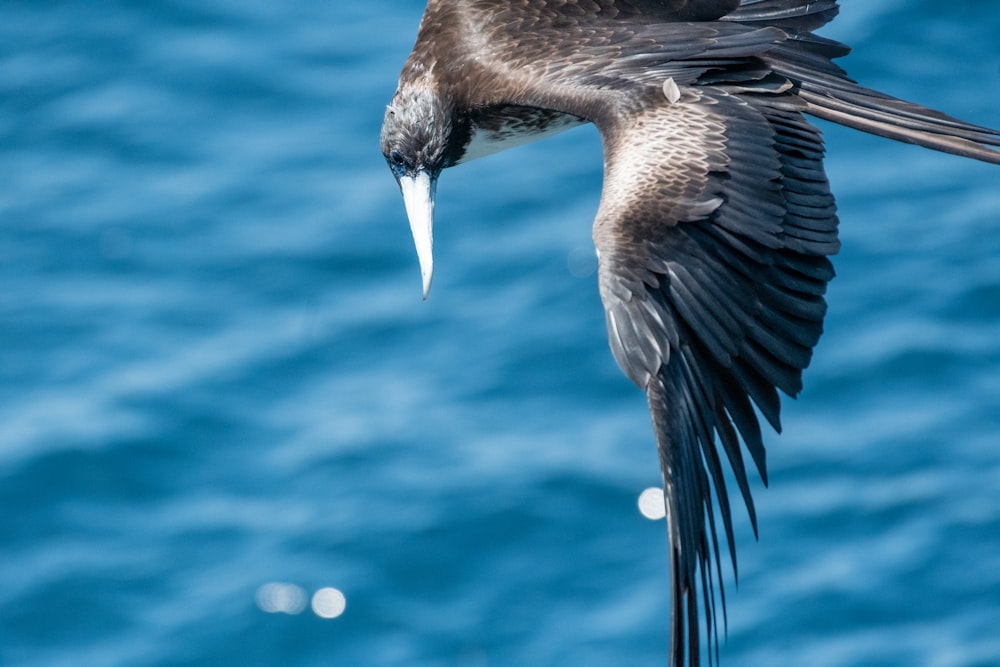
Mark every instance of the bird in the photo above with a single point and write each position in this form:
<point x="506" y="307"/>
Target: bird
<point x="716" y="222"/>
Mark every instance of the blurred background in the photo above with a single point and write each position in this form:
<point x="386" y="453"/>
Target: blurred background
<point x="231" y="432"/>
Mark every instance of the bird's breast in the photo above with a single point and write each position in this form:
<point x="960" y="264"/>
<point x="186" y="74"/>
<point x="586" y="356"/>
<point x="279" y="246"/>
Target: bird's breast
<point x="505" y="126"/>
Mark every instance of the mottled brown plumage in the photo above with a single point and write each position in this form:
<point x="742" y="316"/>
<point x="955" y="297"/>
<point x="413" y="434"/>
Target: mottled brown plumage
<point x="716" y="219"/>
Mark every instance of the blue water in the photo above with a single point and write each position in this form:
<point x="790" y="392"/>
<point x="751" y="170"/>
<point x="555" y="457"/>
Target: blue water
<point x="217" y="377"/>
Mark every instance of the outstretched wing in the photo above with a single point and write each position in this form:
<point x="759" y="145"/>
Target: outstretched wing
<point x="713" y="232"/>
<point x="713" y="235"/>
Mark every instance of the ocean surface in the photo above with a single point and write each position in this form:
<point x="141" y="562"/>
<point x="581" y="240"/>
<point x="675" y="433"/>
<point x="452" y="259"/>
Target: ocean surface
<point x="231" y="433"/>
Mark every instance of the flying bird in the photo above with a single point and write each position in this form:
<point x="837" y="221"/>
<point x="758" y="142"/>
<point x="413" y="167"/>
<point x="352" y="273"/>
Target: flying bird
<point x="716" y="221"/>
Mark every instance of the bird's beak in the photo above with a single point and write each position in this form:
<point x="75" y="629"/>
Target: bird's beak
<point x="418" y="196"/>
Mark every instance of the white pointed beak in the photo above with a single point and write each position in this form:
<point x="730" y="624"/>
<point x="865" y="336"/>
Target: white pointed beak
<point x="418" y="196"/>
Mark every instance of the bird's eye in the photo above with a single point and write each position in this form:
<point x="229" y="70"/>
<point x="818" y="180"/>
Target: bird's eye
<point x="397" y="159"/>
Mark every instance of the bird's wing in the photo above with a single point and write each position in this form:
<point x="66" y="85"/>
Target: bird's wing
<point x="713" y="233"/>
<point x="715" y="223"/>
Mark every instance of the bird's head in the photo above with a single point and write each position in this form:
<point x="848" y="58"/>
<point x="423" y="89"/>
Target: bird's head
<point x="419" y="139"/>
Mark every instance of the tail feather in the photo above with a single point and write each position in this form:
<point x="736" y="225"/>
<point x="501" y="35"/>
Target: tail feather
<point x="831" y="95"/>
<point x="849" y="104"/>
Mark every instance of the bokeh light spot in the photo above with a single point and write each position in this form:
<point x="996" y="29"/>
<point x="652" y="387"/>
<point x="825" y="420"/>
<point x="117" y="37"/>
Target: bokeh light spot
<point x="651" y="504"/>
<point x="279" y="598"/>
<point x="328" y="603"/>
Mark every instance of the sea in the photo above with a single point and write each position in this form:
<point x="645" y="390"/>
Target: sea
<point x="233" y="433"/>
